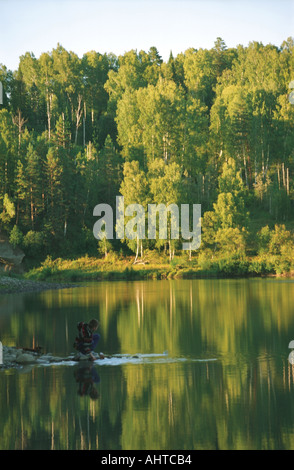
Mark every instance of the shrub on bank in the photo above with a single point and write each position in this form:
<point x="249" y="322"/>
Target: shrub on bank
<point x="234" y="265"/>
<point x="207" y="263"/>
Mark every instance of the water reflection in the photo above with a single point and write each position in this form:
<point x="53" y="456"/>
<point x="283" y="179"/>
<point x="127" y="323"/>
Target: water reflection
<point x="243" y="399"/>
<point x="87" y="378"/>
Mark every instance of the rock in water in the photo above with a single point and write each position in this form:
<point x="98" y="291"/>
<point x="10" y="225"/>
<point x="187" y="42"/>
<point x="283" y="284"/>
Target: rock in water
<point x="25" y="359"/>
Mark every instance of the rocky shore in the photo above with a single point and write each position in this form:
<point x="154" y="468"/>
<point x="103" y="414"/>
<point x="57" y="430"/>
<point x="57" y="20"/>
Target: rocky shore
<point x="25" y="358"/>
<point x="18" y="357"/>
<point x="13" y="285"/>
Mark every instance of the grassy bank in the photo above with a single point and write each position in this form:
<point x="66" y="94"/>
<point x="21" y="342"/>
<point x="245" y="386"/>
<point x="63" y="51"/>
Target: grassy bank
<point x="158" y="267"/>
<point x="96" y="269"/>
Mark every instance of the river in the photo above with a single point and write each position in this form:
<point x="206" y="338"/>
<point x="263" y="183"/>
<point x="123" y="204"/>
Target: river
<point x="211" y="367"/>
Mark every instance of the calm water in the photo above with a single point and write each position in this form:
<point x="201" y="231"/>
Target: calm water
<point x="225" y="381"/>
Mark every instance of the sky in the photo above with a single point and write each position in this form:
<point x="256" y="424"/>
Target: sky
<point x="117" y="26"/>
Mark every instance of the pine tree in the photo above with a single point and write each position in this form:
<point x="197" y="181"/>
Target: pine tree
<point x="62" y="135"/>
<point x="34" y="176"/>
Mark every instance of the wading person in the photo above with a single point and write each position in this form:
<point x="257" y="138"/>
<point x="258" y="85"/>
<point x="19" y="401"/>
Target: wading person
<point x="87" y="339"/>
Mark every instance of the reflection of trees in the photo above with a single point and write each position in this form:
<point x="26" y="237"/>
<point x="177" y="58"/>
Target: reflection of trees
<point x="243" y="400"/>
<point x="178" y="399"/>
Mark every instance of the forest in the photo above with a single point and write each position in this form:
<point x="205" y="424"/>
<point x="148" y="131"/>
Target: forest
<point x="211" y="126"/>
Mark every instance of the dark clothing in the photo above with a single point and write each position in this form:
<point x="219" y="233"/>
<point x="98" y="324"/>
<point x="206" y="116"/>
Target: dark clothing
<point x="86" y="341"/>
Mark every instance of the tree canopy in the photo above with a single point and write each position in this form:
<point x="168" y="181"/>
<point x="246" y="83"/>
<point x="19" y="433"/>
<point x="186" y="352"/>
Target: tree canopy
<point x="210" y="126"/>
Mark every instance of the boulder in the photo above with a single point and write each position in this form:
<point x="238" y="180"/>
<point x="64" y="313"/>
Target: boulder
<point x="25" y="358"/>
<point x="10" y="258"/>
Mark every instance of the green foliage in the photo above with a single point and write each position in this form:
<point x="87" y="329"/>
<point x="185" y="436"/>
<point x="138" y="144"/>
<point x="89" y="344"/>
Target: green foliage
<point x="16" y="237"/>
<point x="231" y="240"/>
<point x="208" y="126"/>
<point x="33" y="244"/>
<point x="104" y="247"/>
<point x="263" y="239"/>
<point x="275" y="249"/>
<point x="233" y="265"/>
<point x="280" y="239"/>
<point x="8" y="211"/>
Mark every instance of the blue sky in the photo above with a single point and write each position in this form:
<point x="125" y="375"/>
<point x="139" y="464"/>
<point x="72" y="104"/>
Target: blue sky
<point x="118" y="25"/>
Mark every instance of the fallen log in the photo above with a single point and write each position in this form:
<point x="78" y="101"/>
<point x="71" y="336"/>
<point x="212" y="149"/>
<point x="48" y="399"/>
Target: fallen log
<point x="37" y="349"/>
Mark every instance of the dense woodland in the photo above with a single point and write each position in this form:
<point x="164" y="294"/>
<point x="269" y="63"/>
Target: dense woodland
<point x="212" y="127"/>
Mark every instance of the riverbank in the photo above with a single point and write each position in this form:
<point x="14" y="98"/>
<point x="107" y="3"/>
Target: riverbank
<point x="64" y="273"/>
<point x="158" y="267"/>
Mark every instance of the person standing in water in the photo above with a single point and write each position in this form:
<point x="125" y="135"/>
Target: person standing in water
<point x="87" y="339"/>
